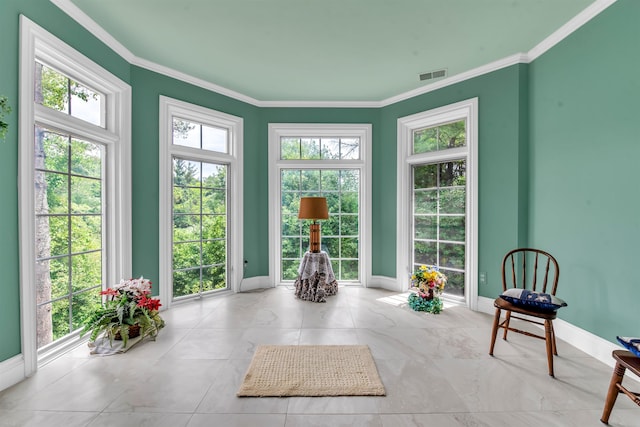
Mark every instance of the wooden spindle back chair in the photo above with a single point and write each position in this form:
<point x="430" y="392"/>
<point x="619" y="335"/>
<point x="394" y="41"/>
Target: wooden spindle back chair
<point x="535" y="270"/>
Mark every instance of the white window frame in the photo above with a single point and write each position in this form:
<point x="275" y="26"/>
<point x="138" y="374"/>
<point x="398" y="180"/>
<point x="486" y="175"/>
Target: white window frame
<point x="302" y="130"/>
<point x="38" y="44"/>
<point x="170" y="108"/>
<point x="467" y="110"/>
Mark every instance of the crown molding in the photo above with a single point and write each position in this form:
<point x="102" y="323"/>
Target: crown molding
<point x="92" y="26"/>
<point x="567" y="29"/>
<point x="187" y="78"/>
<point x="484" y="69"/>
<point x="320" y="104"/>
<point x="520" y="58"/>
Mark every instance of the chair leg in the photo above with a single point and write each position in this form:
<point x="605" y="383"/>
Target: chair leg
<point x="612" y="394"/>
<point x="506" y="324"/>
<point x="548" y="334"/>
<point x="553" y="335"/>
<point x="494" y="331"/>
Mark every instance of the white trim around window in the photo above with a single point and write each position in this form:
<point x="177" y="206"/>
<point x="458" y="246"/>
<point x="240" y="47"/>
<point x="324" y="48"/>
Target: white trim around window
<point x="169" y="108"/>
<point x="302" y="130"/>
<point x="38" y="44"/>
<point x="467" y="110"/>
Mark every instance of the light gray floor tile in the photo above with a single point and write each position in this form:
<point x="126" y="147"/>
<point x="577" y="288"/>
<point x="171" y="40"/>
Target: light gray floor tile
<point x="237" y="420"/>
<point x="359" y="420"/>
<point x="140" y="419"/>
<point x="45" y="418"/>
<point x="435" y="368"/>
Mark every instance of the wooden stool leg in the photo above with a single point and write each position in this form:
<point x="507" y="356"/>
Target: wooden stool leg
<point x="612" y="394"/>
<point x="494" y="331"/>
<point x="548" y="334"/>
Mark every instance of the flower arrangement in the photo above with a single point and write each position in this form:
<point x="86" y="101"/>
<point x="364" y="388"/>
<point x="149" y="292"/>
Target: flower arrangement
<point x="428" y="284"/>
<point x="127" y="311"/>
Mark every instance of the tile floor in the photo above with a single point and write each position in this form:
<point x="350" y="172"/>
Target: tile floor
<point x="435" y="368"/>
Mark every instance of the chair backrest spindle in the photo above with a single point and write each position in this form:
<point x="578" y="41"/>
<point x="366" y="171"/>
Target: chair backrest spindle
<point x="546" y="276"/>
<point x="546" y="272"/>
<point x="535" y="273"/>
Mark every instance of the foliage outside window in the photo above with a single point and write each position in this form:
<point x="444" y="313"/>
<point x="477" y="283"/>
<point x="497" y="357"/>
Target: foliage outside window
<point x="69" y="194"/>
<point x="201" y="250"/>
<point x="58" y="92"/>
<point x="329" y="160"/>
<point x="340" y="233"/>
<point x="439" y="196"/>
<point x="441" y="137"/>
<point x="439" y="204"/>
<point x="5" y="109"/>
<point x="199" y="227"/>
<point x="332" y="148"/>
<point x="195" y="135"/>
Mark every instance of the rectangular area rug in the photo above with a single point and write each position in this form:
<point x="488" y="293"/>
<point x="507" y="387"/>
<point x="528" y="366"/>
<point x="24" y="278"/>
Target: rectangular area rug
<point x="312" y="370"/>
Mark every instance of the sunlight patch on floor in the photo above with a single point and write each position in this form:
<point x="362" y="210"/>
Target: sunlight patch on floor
<point x="395" y="300"/>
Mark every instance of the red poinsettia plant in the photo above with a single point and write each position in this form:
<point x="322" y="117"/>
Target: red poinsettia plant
<point x="128" y="310"/>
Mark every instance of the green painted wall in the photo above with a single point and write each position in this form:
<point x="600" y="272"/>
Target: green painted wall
<point x="501" y="143"/>
<point x="585" y="203"/>
<point x="556" y="154"/>
<point x="147" y="88"/>
<point x="55" y="21"/>
<point x="314" y="115"/>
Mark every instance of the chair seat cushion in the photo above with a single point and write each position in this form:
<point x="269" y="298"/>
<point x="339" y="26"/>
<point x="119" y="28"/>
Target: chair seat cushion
<point x="631" y="344"/>
<point x="526" y="297"/>
<point x="529" y="310"/>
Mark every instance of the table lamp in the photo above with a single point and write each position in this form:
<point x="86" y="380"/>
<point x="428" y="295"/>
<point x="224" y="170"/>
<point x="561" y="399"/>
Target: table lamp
<point x="314" y="208"/>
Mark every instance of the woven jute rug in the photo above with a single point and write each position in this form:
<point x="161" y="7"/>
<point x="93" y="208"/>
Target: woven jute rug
<point x="312" y="370"/>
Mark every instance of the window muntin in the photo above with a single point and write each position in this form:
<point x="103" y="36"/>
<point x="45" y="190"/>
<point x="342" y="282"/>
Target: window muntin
<point x="340" y="233"/>
<point x="201" y="136"/>
<point x="68" y="189"/>
<point x="320" y="148"/>
<point x="353" y="147"/>
<point x="199" y="242"/>
<point x="439" y="197"/>
<point x="201" y="210"/>
<point x="440" y="137"/>
<point x="57" y="91"/>
<point x="110" y="136"/>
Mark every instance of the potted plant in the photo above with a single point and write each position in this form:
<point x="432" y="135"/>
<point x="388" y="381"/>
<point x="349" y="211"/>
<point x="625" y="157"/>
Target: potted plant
<point x="127" y="312"/>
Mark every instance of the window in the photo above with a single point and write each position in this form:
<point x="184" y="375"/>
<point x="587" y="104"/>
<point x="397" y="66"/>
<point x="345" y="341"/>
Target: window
<point x="69" y="214"/>
<point x="437" y="189"/>
<point x="74" y="190"/>
<point x="340" y="233"/>
<point x="200" y="224"/>
<point x="328" y="161"/>
<point x="60" y="93"/>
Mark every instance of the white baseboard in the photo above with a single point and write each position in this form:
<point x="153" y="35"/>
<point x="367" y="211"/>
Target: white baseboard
<point x="11" y="371"/>
<point x="384" y="282"/>
<point x="485" y="305"/>
<point x="253" y="283"/>
<point x="596" y="347"/>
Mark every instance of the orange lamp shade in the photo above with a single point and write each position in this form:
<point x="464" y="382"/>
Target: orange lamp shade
<point x="313" y="208"/>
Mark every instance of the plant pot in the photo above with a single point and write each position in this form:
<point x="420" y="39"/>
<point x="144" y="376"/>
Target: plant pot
<point x="134" y="331"/>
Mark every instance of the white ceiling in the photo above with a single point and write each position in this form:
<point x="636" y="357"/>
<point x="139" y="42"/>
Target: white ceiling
<point x="323" y="50"/>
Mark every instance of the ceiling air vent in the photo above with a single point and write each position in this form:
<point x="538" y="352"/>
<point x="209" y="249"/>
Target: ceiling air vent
<point x="433" y="74"/>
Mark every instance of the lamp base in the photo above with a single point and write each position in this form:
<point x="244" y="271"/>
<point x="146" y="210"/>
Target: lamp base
<point x="314" y="237"/>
